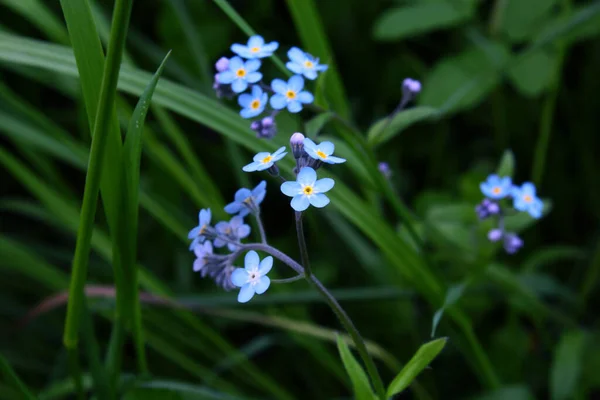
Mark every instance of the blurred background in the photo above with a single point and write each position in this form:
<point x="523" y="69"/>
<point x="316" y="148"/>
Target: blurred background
<point x="507" y="84"/>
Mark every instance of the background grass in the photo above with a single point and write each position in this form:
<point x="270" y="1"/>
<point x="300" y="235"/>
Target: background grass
<point x="507" y="85"/>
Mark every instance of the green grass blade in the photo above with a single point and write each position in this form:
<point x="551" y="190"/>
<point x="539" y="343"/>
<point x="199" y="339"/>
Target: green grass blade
<point x="11" y="377"/>
<point x="39" y="14"/>
<point x="360" y="383"/>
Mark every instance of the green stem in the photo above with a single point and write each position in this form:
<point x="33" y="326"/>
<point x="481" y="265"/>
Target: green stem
<point x="90" y="195"/>
<point x="302" y="245"/>
<point x="73" y="356"/>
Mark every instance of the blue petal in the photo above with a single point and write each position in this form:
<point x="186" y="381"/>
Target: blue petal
<point x="239" y="277"/>
<point x="297" y="55"/>
<point x="278" y="101"/>
<point x="520" y="204"/>
<point x="296" y="83"/>
<point x="294" y="67"/>
<point x="260" y="188"/>
<point x="535" y="210"/>
<point x="310" y="74"/>
<point x="257" y="92"/>
<point x="239" y="85"/>
<point x="278" y="151"/>
<point x="321" y="67"/>
<point x="279" y="86"/>
<point x="219" y="243"/>
<point x="253" y="77"/>
<point x="279" y="157"/>
<point x="240" y="50"/>
<point x="270" y="47"/>
<point x="319" y="200"/>
<point x="262" y="285"/>
<point x="291" y="188"/>
<point x="294" y="106"/>
<point x="252" y="65"/>
<point x="250" y="113"/>
<point x="309" y="144"/>
<point x="528" y="188"/>
<point x="251" y="167"/>
<point x="261" y="156"/>
<point x="323" y="185"/>
<point x="307" y="176"/>
<point x="263" y="100"/>
<point x="222" y="226"/>
<point x="243" y="231"/>
<point x="262" y="166"/>
<point x="242" y="194"/>
<point x="235" y="63"/>
<point x="335" y="160"/>
<point x="246" y="293"/>
<point x="327" y="147"/>
<point x="506" y="182"/>
<point x="251" y="260"/>
<point x="265" y="265"/>
<point x="233" y="208"/>
<point x="225" y="77"/>
<point x="245" y="99"/>
<point x="194" y="232"/>
<point x="198" y="264"/>
<point x="195" y="242"/>
<point x="305" y="97"/>
<point x="256" y="41"/>
<point x="300" y="202"/>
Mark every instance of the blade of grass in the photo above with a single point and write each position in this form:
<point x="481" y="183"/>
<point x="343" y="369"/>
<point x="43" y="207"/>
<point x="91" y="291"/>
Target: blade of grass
<point x="10" y="376"/>
<point x="37" y="12"/>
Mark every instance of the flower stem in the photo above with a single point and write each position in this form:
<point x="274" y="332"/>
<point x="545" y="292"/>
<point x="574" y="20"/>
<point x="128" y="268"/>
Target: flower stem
<point x="261" y="228"/>
<point x="302" y="245"/>
<point x="289" y="280"/>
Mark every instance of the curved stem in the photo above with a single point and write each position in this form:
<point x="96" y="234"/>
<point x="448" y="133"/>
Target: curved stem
<point x="289" y="280"/>
<point x="302" y="245"/>
<point x="261" y="228"/>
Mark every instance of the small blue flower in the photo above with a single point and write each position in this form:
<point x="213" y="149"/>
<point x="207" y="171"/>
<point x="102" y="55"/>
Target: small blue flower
<point x="264" y="160"/>
<point x="246" y="200"/>
<point x="253" y="277"/>
<point x="322" y="152"/>
<point x="495" y="187"/>
<point x="512" y="243"/>
<point x="240" y="73"/>
<point x="202" y="251"/>
<point x="290" y="94"/>
<point x="304" y="64"/>
<point x="254" y="103"/>
<point x="197" y="234"/>
<point x="307" y="190"/>
<point x="234" y="230"/>
<point x="256" y="48"/>
<point x="525" y="199"/>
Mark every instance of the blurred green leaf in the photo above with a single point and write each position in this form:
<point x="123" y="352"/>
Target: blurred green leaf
<point x="13" y="379"/>
<point x="567" y="365"/>
<point x="454" y="293"/>
<point x="422" y="358"/>
<point x="170" y="390"/>
<point x="385" y="129"/>
<point x="523" y="18"/>
<point x="506" y="167"/>
<point x="515" y="392"/>
<point x="314" y="126"/>
<point x="360" y="383"/>
<point x="533" y="73"/>
<point x="541" y="257"/>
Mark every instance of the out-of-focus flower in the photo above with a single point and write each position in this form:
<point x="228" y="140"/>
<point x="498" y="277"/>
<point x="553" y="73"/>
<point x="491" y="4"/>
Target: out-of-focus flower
<point x="246" y="200"/>
<point x="495" y="234"/>
<point x="290" y="94"/>
<point x="264" y="160"/>
<point x="411" y="85"/>
<point x="232" y="231"/>
<point x="487" y="208"/>
<point x="525" y="199"/>
<point x="265" y="128"/>
<point x="512" y="243"/>
<point x="304" y="64"/>
<point x="239" y="74"/>
<point x="385" y="169"/>
<point x="253" y="104"/>
<point x="307" y="190"/>
<point x="222" y="64"/>
<point x="253" y="277"/>
<point x="495" y="187"/>
<point x="255" y="48"/>
<point x="203" y="251"/>
<point x="198" y="233"/>
<point x="322" y="151"/>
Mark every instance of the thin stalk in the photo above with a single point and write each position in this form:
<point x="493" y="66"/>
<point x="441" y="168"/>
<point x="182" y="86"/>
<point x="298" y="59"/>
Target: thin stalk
<point x="289" y="280"/>
<point x="261" y="228"/>
<point x="73" y="356"/>
<point x="302" y="245"/>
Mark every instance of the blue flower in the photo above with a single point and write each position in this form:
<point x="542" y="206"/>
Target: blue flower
<point x="234" y="230"/>
<point x="246" y="200"/>
<point x="264" y="160"/>
<point x="307" y="190"/>
<point x="253" y="277"/>
<point x="304" y="64"/>
<point x="525" y="199"/>
<point x="240" y="73"/>
<point x="197" y="234"/>
<point x="256" y="48"/>
<point x="512" y="243"/>
<point x="322" y="152"/>
<point x="290" y="94"/>
<point x="495" y="187"/>
<point x="254" y="103"/>
<point x="202" y="251"/>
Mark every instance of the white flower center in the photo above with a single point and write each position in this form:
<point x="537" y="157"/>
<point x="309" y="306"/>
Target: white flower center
<point x="253" y="276"/>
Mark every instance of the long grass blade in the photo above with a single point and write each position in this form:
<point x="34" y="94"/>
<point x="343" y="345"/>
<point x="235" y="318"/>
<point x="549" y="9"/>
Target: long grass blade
<point x="11" y="377"/>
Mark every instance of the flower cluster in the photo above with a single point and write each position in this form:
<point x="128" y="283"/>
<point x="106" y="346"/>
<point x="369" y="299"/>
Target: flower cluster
<point x="236" y="74"/>
<point x="524" y="199"/>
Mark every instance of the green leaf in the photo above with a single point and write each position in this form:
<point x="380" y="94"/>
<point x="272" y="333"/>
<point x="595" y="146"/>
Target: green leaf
<point x="385" y="129"/>
<point x="507" y="164"/>
<point x="533" y="73"/>
<point x="454" y="293"/>
<point x="13" y="379"/>
<point x="515" y="392"/>
<point x="420" y="18"/>
<point x="170" y="390"/>
<point x="314" y="126"/>
<point x="422" y="358"/>
<point x="567" y="365"/>
<point x="360" y="383"/>
<point x="523" y="18"/>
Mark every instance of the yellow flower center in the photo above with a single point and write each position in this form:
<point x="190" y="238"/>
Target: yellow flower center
<point x="290" y="94"/>
<point x="202" y="230"/>
<point x="496" y="190"/>
<point x="528" y="198"/>
<point x="307" y="190"/>
<point x="255" y="104"/>
<point x="321" y="154"/>
<point x="308" y="64"/>
<point x="255" y="49"/>
<point x="267" y="159"/>
<point x="227" y="231"/>
<point x="240" y="73"/>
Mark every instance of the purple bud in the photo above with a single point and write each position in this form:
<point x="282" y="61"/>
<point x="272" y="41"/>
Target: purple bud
<point x="487" y="208"/>
<point x="265" y="128"/>
<point x="495" y="234"/>
<point x="268" y="122"/>
<point x="385" y="169"/>
<point x="255" y="125"/>
<point x="412" y="85"/>
<point x="512" y="243"/>
<point x="222" y="64"/>
<point x="297" y="144"/>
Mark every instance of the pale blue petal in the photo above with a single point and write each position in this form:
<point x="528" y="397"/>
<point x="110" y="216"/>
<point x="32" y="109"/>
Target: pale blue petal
<point x="324" y="185"/>
<point x="239" y="49"/>
<point x="294" y="106"/>
<point x="252" y="65"/>
<point x="256" y="41"/>
<point x="528" y="188"/>
<point x="256" y="92"/>
<point x="222" y="226"/>
<point x="335" y="160"/>
<point x="319" y="200"/>
<point x="198" y="264"/>
<point x="327" y="147"/>
<point x="250" y="113"/>
<point x="225" y="77"/>
<point x="291" y="188"/>
<point x="243" y="231"/>
<point x="305" y="97"/>
<point x="194" y="232"/>
<point x="219" y="243"/>
<point x="307" y="176"/>
<point x="297" y="55"/>
<point x="279" y="86"/>
<point x="260" y="188"/>
<point x="233" y="208"/>
<point x="506" y="182"/>
<point x="260" y="156"/>
<point x="235" y="63"/>
<point x="309" y="144"/>
<point x="265" y="265"/>
<point x="278" y="151"/>
<point x="251" y="260"/>
<point x="253" y="77"/>
<point x="235" y="222"/>
<point x="262" y="285"/>
<point x="279" y="157"/>
<point x="242" y="194"/>
<point x="262" y="166"/>
<point x="300" y="202"/>
<point x="245" y="99"/>
<point x="294" y="67"/>
<point x="270" y="47"/>
<point x="253" y="166"/>
<point x="310" y="74"/>
<point x="239" y="85"/>
<point x="232" y="247"/>
<point x="321" y="67"/>
<point x="296" y="83"/>
<point x="246" y="293"/>
<point x="239" y="277"/>
<point x="535" y="210"/>
<point x="278" y="101"/>
<point x="263" y="100"/>
<point x="195" y="242"/>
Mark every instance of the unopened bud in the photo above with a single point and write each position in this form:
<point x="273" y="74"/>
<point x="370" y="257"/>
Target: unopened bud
<point x="297" y="144"/>
<point x="222" y="64"/>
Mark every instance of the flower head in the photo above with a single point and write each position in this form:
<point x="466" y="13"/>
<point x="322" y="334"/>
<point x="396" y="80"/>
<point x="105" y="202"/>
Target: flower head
<point x="385" y="169"/>
<point x="512" y="243"/>
<point x="240" y="73"/>
<point x="266" y="128"/>
<point x="304" y="64"/>
<point x="253" y="277"/>
<point x="265" y="160"/>
<point x="495" y="234"/>
<point x="253" y="104"/>
<point x="322" y="152"/>
<point x="255" y="48"/>
<point x="307" y="190"/>
<point x="495" y="187"/>
<point x="222" y="64"/>
<point x="202" y="251"/>
<point x="290" y="94"/>
<point x="234" y="230"/>
<point x="246" y="200"/>
<point x="411" y="85"/>
<point x="198" y="233"/>
<point x="297" y="144"/>
<point x="525" y="199"/>
<point x="487" y="208"/>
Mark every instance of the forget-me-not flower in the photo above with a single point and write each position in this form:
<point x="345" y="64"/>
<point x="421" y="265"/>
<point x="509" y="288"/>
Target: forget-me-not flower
<point x="197" y="234"/>
<point x="246" y="200"/>
<point x="253" y="277"/>
<point x="290" y="94"/>
<point x="307" y="190"/>
<point x="264" y="160"/>
<point x="525" y="199"/>
<point x="322" y="151"/>
<point x="254" y="103"/>
<point x="240" y="73"/>
<point x="234" y="230"/>
<point x="495" y="187"/>
<point x="256" y="48"/>
<point x="304" y="64"/>
<point x="202" y="251"/>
